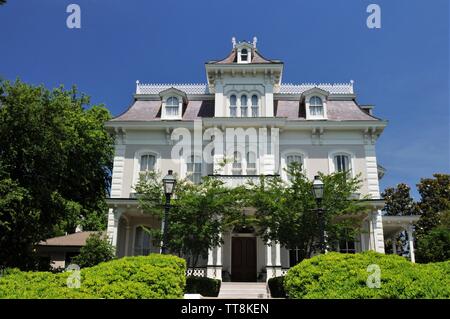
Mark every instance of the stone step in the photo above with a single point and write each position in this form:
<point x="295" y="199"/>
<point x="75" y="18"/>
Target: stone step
<point x="243" y="290"/>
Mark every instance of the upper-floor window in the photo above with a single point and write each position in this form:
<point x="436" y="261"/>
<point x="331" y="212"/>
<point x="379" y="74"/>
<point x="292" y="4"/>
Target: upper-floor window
<point x="147" y="162"/>
<point x="244" y="55"/>
<point x="244" y="106"/>
<point x="315" y="106"/>
<point x="172" y="106"/>
<point x="194" y="169"/>
<point x="342" y="163"/>
<point x="233" y="107"/>
<point x="255" y="107"/>
<point x="251" y="163"/>
<point x="293" y="158"/>
<point x="237" y="164"/>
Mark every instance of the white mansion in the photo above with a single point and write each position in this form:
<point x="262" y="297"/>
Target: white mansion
<point x="319" y="125"/>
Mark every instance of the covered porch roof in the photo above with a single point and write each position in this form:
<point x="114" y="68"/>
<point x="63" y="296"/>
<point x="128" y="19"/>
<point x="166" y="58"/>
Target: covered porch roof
<point x="392" y="225"/>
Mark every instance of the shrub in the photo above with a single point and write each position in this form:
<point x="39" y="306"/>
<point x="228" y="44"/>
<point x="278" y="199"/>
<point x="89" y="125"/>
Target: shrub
<point x="434" y="246"/>
<point x="96" y="250"/>
<point x="204" y="286"/>
<point x="336" y="275"/>
<point x="153" y="276"/>
<point x="276" y="286"/>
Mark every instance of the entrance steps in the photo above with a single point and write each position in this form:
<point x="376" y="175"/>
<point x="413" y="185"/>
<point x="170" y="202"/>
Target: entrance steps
<point x="244" y="290"/>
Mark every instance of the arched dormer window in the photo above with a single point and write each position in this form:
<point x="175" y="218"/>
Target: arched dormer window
<point x="233" y="107"/>
<point x="244" y="106"/>
<point x="315" y="106"/>
<point x="255" y="106"/>
<point x="244" y="55"/>
<point x="172" y="106"/>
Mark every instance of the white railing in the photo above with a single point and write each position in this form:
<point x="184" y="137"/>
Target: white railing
<point x="238" y="180"/>
<point x="196" y="272"/>
<point x="285" y="88"/>
<point x="142" y="88"/>
<point x="332" y="88"/>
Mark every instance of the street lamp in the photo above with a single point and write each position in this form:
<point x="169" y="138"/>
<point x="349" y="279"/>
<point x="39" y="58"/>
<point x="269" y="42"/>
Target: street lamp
<point x="169" y="183"/>
<point x="317" y="189"/>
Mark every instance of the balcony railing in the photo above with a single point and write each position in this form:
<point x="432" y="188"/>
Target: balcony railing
<point x="238" y="180"/>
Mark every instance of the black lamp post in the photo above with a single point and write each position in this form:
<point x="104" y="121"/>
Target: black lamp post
<point x="169" y="185"/>
<point x="318" y="195"/>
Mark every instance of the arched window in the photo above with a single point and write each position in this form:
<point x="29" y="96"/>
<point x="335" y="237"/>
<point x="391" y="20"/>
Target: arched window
<point x="194" y="169"/>
<point x="143" y="243"/>
<point x="147" y="162"/>
<point x="255" y="107"/>
<point x="172" y="106"/>
<point x="342" y="163"/>
<point x="251" y="163"/>
<point x="244" y="55"/>
<point x="233" y="108"/>
<point x="244" y="107"/>
<point x="316" y="106"/>
<point x="237" y="164"/>
<point x="293" y="158"/>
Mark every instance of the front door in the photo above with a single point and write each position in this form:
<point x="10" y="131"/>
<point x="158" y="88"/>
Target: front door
<point x="243" y="259"/>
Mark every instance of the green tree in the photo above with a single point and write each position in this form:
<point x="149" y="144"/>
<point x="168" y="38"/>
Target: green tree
<point x="435" y="199"/>
<point x="56" y="152"/>
<point x="286" y="212"/>
<point x="198" y="214"/>
<point x="96" y="250"/>
<point x="399" y="201"/>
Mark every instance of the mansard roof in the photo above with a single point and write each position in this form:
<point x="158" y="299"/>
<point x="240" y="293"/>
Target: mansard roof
<point x="290" y="109"/>
<point x="257" y="58"/>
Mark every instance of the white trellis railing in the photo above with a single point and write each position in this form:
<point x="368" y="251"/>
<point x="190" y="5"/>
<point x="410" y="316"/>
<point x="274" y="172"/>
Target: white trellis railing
<point x="196" y="272"/>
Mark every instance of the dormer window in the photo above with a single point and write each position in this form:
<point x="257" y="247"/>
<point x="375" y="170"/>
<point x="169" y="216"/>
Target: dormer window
<point x="244" y="55"/>
<point x="316" y="106"/>
<point x="172" y="106"/>
<point x="172" y="103"/>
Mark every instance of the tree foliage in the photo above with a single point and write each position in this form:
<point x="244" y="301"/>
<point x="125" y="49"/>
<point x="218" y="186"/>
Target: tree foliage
<point x="399" y="201"/>
<point x="55" y="162"/>
<point x="198" y="214"/>
<point x="97" y="250"/>
<point x="287" y="212"/>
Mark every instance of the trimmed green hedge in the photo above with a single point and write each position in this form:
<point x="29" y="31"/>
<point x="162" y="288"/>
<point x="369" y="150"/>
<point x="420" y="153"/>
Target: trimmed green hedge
<point x="154" y="276"/>
<point x="276" y="286"/>
<point x="204" y="286"/>
<point x="344" y="276"/>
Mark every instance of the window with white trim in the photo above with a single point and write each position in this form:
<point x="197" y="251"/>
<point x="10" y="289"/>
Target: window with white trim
<point x="315" y="106"/>
<point x="147" y="163"/>
<point x="342" y="163"/>
<point x="255" y="106"/>
<point x="233" y="106"/>
<point x="293" y="158"/>
<point x="237" y="164"/>
<point x="172" y="106"/>
<point x="244" y="106"/>
<point x="251" y="163"/>
<point x="244" y="55"/>
<point x="143" y="245"/>
<point x="194" y="169"/>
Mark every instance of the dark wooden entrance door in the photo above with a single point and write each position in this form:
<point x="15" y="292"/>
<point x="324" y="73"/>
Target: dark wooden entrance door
<point x="243" y="259"/>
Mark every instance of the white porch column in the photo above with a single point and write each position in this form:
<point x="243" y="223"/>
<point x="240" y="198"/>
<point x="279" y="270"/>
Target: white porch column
<point x="214" y="266"/>
<point x="394" y="246"/>
<point x="113" y="225"/>
<point x="410" y="231"/>
<point x="376" y="232"/>
<point x="273" y="259"/>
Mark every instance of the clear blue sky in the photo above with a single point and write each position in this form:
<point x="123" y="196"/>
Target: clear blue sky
<point x="402" y="68"/>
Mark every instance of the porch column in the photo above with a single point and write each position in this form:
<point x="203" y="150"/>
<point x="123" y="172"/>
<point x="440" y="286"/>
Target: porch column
<point x="214" y="266"/>
<point x="394" y="246"/>
<point x="113" y="225"/>
<point x="410" y="231"/>
<point x="273" y="261"/>
<point x="127" y="239"/>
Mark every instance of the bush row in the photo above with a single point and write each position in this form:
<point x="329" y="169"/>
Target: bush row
<point x="204" y="286"/>
<point x="154" y="276"/>
<point x="336" y="275"/>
